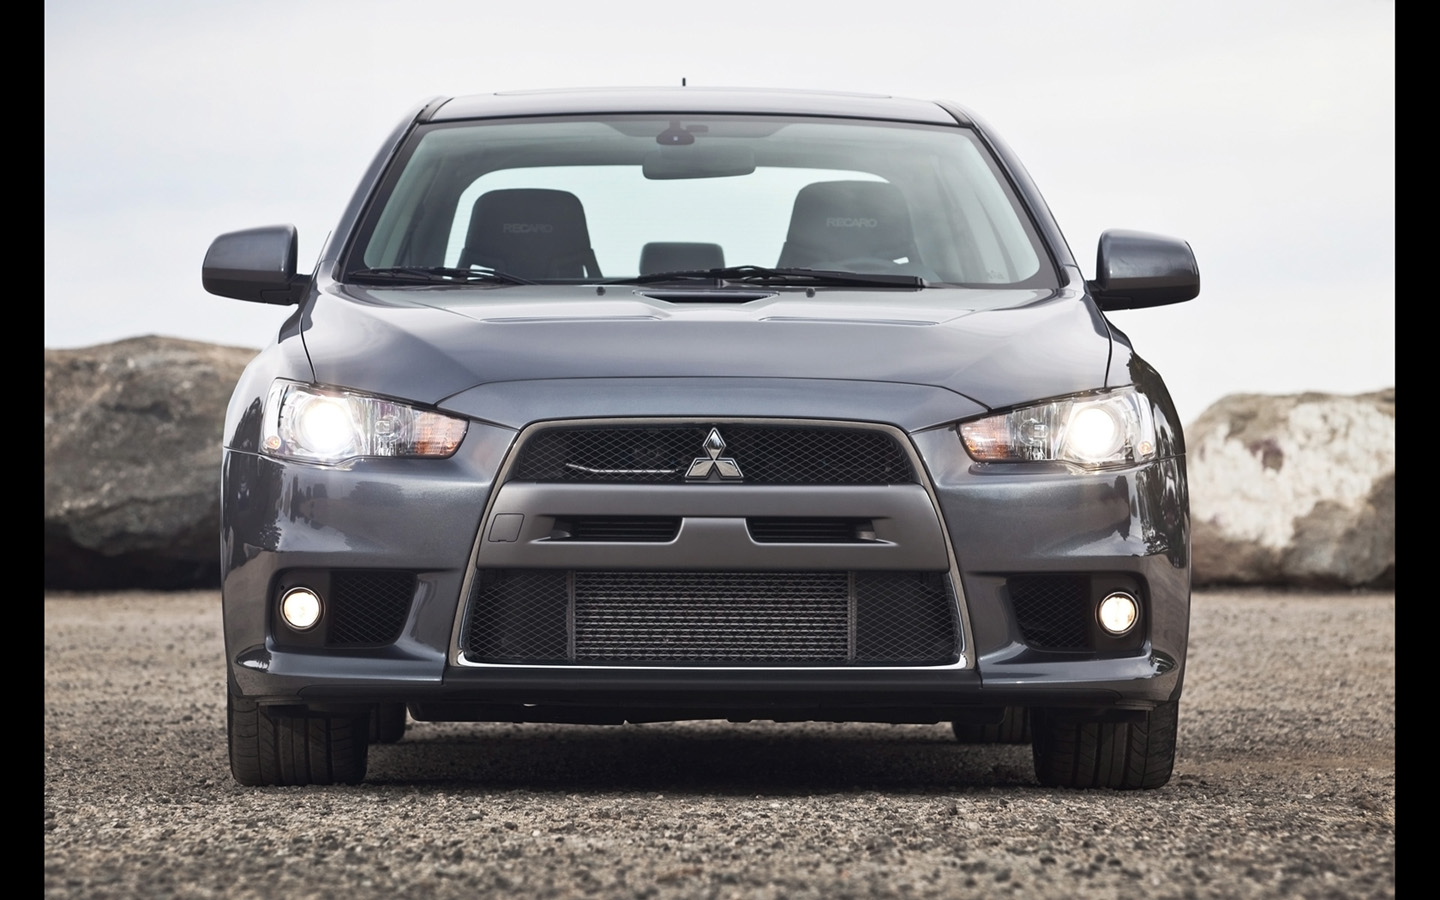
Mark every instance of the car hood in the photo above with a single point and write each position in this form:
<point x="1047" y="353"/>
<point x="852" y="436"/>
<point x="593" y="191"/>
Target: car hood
<point x="514" y="354"/>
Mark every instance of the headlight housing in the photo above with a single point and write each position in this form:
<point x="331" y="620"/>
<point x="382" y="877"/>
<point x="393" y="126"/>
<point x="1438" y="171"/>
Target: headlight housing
<point x="1115" y="428"/>
<point x="330" y="426"/>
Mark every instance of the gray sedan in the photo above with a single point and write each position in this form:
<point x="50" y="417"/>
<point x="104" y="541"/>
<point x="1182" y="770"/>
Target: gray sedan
<point x="656" y="405"/>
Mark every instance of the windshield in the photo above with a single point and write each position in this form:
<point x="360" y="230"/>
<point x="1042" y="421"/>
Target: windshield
<point x="616" y="197"/>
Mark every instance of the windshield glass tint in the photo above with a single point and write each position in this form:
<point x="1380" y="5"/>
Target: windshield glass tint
<point x="615" y="197"/>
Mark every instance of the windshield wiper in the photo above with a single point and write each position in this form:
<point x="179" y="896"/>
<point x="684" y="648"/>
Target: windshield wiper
<point x="764" y="275"/>
<point x="436" y="275"/>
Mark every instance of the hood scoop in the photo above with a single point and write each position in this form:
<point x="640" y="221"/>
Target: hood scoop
<point x="548" y="320"/>
<point x="838" y="321"/>
<point x="703" y="296"/>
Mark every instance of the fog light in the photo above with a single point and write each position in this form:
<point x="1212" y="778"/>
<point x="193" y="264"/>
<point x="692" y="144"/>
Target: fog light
<point x="300" y="608"/>
<point x="1118" y="612"/>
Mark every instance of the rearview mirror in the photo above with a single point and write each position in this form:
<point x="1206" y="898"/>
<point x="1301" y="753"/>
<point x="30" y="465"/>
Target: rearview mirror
<point x="698" y="161"/>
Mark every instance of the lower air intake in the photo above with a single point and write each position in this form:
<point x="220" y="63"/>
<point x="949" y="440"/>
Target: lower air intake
<point x="716" y="618"/>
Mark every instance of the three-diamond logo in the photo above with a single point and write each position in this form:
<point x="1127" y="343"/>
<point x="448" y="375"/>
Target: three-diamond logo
<point x="724" y="466"/>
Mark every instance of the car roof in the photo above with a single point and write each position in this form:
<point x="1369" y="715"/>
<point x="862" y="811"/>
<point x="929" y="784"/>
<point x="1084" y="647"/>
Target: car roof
<point x="708" y="100"/>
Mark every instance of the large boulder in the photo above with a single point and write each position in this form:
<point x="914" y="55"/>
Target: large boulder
<point x="1294" y="489"/>
<point x="132" y="463"/>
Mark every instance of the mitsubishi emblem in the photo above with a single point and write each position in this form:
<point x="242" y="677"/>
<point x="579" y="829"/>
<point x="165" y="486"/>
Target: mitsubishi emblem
<point x="712" y="461"/>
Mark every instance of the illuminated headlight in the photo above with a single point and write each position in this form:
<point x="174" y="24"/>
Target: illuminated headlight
<point x="324" y="426"/>
<point x="300" y="608"/>
<point x="1111" y="429"/>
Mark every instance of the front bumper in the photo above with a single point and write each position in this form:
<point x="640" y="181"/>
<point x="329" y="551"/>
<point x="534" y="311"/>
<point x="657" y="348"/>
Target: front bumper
<point x="989" y="528"/>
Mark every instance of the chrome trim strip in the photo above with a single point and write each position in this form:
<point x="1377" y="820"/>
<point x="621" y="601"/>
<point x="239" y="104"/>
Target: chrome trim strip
<point x="961" y="663"/>
<point x="589" y="471"/>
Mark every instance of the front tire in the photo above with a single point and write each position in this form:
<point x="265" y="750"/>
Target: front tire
<point x="1075" y="753"/>
<point x="285" y="750"/>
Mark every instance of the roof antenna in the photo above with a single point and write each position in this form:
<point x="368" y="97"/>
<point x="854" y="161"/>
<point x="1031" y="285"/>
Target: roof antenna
<point x="682" y="81"/>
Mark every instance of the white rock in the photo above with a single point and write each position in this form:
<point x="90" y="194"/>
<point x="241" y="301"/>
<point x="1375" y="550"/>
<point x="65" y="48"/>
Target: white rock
<point x="1294" y="489"/>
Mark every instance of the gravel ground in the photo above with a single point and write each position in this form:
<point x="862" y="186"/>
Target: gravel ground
<point x="1284" y="786"/>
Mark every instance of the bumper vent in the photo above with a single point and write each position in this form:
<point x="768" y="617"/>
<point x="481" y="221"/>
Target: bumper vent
<point x="765" y="454"/>
<point x="624" y="529"/>
<point x="1053" y="611"/>
<point x="716" y="618"/>
<point x="810" y="531"/>
<point x="368" y="608"/>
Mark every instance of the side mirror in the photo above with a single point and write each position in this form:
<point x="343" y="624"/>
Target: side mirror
<point x="1134" y="269"/>
<point x="257" y="264"/>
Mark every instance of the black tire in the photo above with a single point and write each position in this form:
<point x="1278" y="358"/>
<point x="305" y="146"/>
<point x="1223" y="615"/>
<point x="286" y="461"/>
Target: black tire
<point x="1127" y="756"/>
<point x="387" y="723"/>
<point x="282" y="750"/>
<point x="1013" y="728"/>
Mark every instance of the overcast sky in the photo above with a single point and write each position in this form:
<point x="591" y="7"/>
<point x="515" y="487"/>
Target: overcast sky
<point x="1262" y="132"/>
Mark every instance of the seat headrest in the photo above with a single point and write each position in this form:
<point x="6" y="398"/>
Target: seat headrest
<point x="839" y="220"/>
<point x="530" y="232"/>
<point x="678" y="256"/>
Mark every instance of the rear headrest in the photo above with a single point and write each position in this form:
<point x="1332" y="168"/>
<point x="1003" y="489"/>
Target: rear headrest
<point x="530" y="232"/>
<point x="678" y="256"/>
<point x="833" y="221"/>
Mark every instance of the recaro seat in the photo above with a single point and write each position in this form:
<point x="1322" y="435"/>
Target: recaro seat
<point x="679" y="256"/>
<point x="532" y="233"/>
<point x="856" y="225"/>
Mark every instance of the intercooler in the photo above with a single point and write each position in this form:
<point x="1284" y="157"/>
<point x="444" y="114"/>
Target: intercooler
<point x="696" y="618"/>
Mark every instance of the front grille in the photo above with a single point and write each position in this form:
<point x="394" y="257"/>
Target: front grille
<point x="765" y="454"/>
<point x="1052" y="611"/>
<point x="368" y="608"/>
<point x="677" y="618"/>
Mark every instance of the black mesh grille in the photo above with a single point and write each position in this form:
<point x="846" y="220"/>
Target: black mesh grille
<point x="1053" y="611"/>
<point x="904" y="617"/>
<point x="671" y="618"/>
<point x="519" y="616"/>
<point x="766" y="454"/>
<point x="368" y="608"/>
